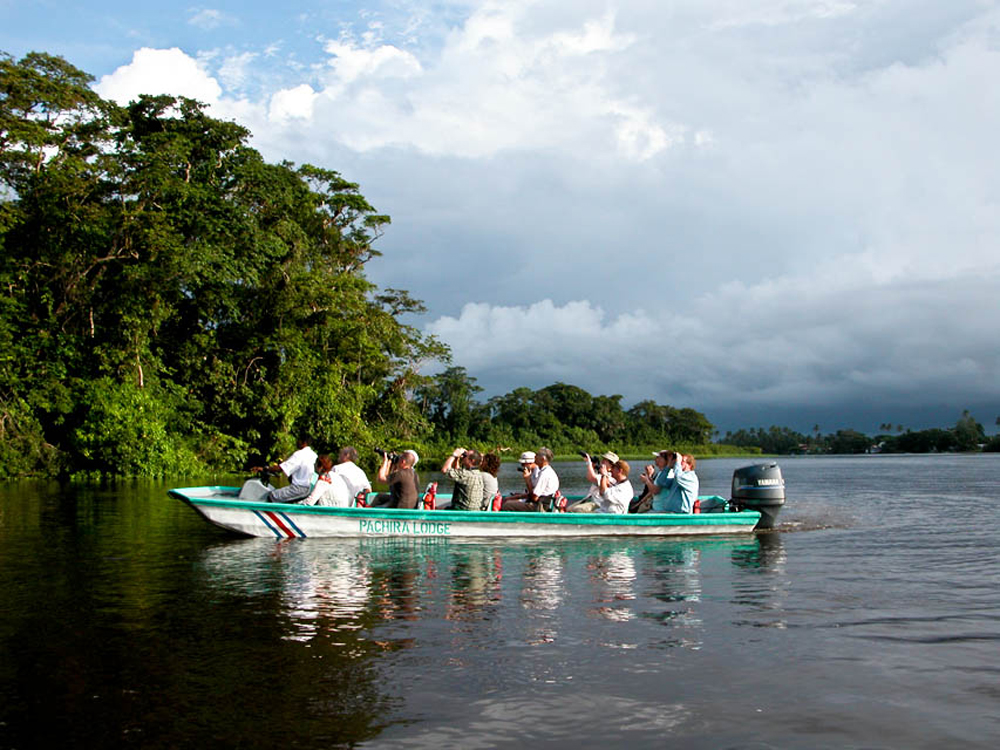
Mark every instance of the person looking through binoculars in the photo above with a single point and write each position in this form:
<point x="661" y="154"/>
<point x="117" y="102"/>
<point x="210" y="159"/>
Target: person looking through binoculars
<point x="468" y="492"/>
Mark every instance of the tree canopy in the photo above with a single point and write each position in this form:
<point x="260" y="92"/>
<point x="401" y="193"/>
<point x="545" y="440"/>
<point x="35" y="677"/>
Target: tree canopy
<point x="170" y="300"/>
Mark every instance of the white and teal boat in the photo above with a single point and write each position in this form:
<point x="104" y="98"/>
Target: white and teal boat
<point x="223" y="507"/>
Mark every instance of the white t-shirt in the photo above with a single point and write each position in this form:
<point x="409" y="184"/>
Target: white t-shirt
<point x="330" y="489"/>
<point x="354" y="476"/>
<point x="615" y="498"/>
<point x="547" y="482"/>
<point x="298" y="467"/>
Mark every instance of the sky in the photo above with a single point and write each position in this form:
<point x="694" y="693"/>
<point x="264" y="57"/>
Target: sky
<point x="773" y="211"/>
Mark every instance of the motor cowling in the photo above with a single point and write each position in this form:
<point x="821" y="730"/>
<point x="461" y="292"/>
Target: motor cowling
<point x="762" y="488"/>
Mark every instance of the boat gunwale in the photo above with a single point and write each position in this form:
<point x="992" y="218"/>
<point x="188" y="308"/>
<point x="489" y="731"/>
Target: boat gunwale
<point x="748" y="518"/>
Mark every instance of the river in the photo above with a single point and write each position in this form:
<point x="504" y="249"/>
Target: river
<point x="870" y="619"/>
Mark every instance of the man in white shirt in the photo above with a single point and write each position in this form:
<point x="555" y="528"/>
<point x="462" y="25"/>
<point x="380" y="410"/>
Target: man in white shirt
<point x="543" y="488"/>
<point x="298" y="467"/>
<point x="353" y="475"/>
<point x="614" y="492"/>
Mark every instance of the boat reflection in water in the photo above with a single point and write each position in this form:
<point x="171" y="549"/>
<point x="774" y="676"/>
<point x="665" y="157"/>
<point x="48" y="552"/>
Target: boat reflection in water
<point x="322" y="588"/>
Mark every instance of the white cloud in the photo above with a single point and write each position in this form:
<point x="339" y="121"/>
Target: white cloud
<point x="350" y="62"/>
<point x="235" y="70"/>
<point x="159" y="71"/>
<point x="292" y="103"/>
<point x="208" y="19"/>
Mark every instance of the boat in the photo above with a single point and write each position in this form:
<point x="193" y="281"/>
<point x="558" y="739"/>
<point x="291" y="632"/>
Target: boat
<point x="223" y="507"/>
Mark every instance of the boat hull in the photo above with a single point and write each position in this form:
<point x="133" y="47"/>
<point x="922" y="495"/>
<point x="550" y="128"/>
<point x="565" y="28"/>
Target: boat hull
<point x="221" y="507"/>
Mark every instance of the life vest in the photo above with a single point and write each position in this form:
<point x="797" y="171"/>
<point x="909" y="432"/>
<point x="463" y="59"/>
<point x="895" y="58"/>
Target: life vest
<point x="559" y="503"/>
<point x="361" y="499"/>
<point x="497" y="501"/>
<point x="429" y="494"/>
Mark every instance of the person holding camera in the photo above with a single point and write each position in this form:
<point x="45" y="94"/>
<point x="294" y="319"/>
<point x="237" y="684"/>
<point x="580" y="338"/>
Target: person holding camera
<point x="614" y="491"/>
<point x="397" y="471"/>
<point x="468" y="492"/>
<point x="542" y="490"/>
<point x="528" y="468"/>
<point x="596" y="468"/>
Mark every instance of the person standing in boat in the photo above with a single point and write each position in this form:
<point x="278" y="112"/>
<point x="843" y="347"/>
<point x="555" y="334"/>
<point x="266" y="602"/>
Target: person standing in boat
<point x="397" y="471"/>
<point x="679" y="495"/>
<point x="614" y="491"/>
<point x="543" y="490"/>
<point x="354" y="476"/>
<point x="468" y="492"/>
<point x="298" y="467"/>
<point x="330" y="488"/>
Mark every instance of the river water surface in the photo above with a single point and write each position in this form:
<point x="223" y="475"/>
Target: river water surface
<point x="871" y="619"/>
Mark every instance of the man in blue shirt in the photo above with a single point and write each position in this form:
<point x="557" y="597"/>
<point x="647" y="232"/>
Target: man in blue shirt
<point x="677" y="493"/>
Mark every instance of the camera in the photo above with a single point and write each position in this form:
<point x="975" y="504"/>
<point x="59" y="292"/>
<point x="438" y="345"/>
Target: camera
<point x="594" y="460"/>
<point x="391" y="455"/>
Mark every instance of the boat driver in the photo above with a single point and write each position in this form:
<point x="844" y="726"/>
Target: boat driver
<point x="298" y="467"/>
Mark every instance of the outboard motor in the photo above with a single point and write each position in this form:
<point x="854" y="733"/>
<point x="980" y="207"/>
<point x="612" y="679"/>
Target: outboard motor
<point x="257" y="488"/>
<point x="762" y="488"/>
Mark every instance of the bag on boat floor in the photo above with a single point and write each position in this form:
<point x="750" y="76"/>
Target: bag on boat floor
<point x="644" y="505"/>
<point x="714" y="504"/>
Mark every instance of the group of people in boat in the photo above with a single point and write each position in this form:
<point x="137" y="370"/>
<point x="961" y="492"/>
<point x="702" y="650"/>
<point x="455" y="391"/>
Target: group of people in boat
<point x="669" y="485"/>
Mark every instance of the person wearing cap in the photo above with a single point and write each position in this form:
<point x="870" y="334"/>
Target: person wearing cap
<point x="677" y="493"/>
<point x="468" y="492"/>
<point x="608" y="459"/>
<point x="664" y="463"/>
<point x="614" y="491"/>
<point x="403" y="481"/>
<point x="543" y="488"/>
<point x="529" y="469"/>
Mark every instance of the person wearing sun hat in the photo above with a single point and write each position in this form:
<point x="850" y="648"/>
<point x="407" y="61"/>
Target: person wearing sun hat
<point x="608" y="459"/>
<point x="542" y="490"/>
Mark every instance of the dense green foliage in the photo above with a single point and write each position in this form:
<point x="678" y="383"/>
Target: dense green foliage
<point x="172" y="302"/>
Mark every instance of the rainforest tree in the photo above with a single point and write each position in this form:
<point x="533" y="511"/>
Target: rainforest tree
<point x="170" y="300"/>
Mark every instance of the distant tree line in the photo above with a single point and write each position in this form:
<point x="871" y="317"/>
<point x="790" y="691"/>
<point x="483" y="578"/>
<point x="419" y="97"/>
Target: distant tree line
<point x="563" y="417"/>
<point x="966" y="435"/>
